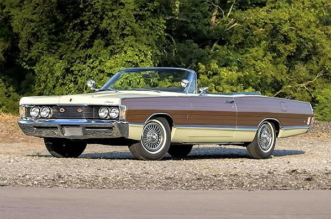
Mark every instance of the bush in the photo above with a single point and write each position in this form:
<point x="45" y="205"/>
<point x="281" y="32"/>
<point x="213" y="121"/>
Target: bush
<point x="8" y="99"/>
<point x="323" y="107"/>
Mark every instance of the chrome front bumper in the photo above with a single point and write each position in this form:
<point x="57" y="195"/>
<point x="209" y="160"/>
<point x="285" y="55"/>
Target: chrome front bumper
<point x="74" y="128"/>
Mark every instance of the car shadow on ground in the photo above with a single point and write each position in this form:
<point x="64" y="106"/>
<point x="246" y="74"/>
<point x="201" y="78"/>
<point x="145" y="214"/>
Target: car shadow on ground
<point x="196" y="153"/>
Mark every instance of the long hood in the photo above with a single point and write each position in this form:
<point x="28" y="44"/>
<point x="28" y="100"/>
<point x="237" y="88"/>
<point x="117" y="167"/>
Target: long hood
<point x="100" y="98"/>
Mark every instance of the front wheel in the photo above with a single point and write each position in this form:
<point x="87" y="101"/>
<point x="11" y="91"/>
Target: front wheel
<point x="63" y="148"/>
<point x="155" y="140"/>
<point x="264" y="142"/>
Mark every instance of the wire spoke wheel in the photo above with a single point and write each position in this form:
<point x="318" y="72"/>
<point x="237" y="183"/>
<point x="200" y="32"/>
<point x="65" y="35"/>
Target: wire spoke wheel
<point x="265" y="137"/>
<point x="155" y="140"/>
<point x="264" y="142"/>
<point x="153" y="137"/>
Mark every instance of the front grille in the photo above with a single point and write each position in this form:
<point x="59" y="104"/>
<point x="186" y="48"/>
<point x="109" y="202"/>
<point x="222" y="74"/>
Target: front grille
<point x="70" y="112"/>
<point x="74" y="112"/>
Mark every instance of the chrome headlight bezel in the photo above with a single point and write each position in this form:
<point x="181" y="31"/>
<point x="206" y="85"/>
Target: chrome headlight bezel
<point x="114" y="112"/>
<point x="46" y="112"/>
<point x="109" y="112"/>
<point x="34" y="112"/>
<point x="103" y="112"/>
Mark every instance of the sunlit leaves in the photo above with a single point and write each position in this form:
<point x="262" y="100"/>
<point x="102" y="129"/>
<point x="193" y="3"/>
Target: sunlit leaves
<point x="66" y="44"/>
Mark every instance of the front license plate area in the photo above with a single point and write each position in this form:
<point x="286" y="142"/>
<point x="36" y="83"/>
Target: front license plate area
<point x="72" y="131"/>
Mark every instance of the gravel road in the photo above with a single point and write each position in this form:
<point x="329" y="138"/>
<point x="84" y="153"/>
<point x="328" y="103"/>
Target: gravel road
<point x="301" y="163"/>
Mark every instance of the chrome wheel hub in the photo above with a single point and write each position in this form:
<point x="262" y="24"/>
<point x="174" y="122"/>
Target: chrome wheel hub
<point x="153" y="137"/>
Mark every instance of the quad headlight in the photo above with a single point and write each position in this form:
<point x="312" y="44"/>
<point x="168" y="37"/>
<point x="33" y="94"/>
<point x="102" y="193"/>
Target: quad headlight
<point x="109" y="112"/>
<point x="104" y="112"/>
<point x="41" y="112"/>
<point x="114" y="112"/>
<point x="34" y="112"/>
<point x="46" y="112"/>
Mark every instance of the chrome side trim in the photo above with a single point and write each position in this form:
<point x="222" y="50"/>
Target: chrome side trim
<point x="295" y="127"/>
<point x="247" y="128"/>
<point x="292" y="131"/>
<point x="205" y="127"/>
<point x="241" y="128"/>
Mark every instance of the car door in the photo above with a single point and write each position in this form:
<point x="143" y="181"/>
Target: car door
<point x="212" y="118"/>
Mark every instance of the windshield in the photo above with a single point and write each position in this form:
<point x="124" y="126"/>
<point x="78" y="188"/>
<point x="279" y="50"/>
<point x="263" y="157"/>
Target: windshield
<point x="171" y="80"/>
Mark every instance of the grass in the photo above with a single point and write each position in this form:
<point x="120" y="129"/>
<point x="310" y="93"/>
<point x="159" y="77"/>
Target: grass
<point x="8" y="123"/>
<point x="9" y="130"/>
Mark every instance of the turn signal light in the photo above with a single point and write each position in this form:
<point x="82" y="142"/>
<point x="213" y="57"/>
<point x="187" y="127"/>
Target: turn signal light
<point x="310" y="120"/>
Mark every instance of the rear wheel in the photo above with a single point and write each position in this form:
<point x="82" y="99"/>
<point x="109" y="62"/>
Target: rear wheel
<point x="63" y="148"/>
<point x="264" y="142"/>
<point x="180" y="151"/>
<point x="155" y="140"/>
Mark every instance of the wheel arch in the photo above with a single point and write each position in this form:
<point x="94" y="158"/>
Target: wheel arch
<point x="169" y="119"/>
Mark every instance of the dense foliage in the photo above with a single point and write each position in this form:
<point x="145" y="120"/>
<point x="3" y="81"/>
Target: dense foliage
<point x="278" y="48"/>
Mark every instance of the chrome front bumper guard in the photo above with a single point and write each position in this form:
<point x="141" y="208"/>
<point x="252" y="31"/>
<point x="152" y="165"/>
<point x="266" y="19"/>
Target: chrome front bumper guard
<point x="74" y="128"/>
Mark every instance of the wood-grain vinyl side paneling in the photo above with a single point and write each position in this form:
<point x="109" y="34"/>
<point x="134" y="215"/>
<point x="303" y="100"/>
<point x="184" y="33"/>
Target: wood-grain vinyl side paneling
<point x="252" y="110"/>
<point x="188" y="110"/>
<point x="140" y="109"/>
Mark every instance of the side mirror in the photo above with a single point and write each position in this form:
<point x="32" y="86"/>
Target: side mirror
<point x="203" y="90"/>
<point x="91" y="83"/>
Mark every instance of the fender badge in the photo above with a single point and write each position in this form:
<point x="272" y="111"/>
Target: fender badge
<point x="62" y="110"/>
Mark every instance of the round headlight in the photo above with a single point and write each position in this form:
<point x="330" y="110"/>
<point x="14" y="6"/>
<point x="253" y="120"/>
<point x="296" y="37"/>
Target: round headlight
<point x="103" y="112"/>
<point x="114" y="112"/>
<point x="34" y="112"/>
<point x="45" y="112"/>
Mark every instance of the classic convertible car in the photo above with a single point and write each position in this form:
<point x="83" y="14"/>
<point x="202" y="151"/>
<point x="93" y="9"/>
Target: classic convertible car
<point x="155" y="111"/>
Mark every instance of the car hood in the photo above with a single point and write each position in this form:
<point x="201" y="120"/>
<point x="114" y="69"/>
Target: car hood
<point x="99" y="98"/>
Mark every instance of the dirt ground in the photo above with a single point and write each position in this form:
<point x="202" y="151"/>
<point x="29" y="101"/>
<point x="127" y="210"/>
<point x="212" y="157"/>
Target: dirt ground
<point x="302" y="162"/>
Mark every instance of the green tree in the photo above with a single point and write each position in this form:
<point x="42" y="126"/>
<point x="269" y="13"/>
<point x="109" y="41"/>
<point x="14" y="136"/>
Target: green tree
<point x="323" y="106"/>
<point x="66" y="43"/>
<point x="278" y="48"/>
